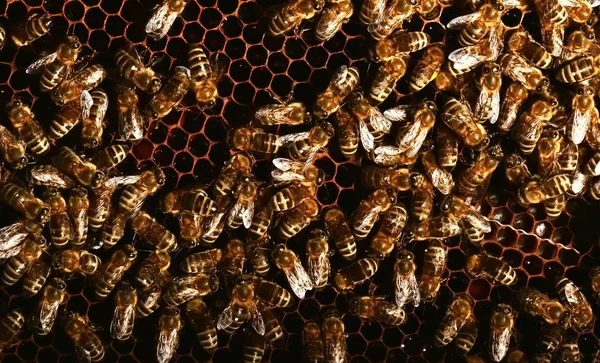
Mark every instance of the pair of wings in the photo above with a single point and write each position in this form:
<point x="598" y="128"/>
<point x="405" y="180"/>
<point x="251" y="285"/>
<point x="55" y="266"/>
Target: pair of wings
<point x="45" y="315"/>
<point x="168" y="341"/>
<point x="580" y="122"/>
<point x="318" y="268"/>
<point x="488" y="105"/>
<point x="488" y="49"/>
<point x="299" y="279"/>
<point x="161" y="21"/>
<point x="49" y="176"/>
<point x="11" y="239"/>
<point x="226" y="318"/>
<point x="331" y="21"/>
<point x="288" y="171"/>
<point x="378" y="122"/>
<point x="407" y="290"/>
<point x="121" y="325"/>
<point x="242" y="208"/>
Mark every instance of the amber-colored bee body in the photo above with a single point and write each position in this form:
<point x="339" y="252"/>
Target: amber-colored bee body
<point x="11" y="324"/>
<point x="348" y="277"/>
<point x="312" y="340"/>
<point x="110" y="156"/>
<point x="569" y="350"/>
<point x="339" y="231"/>
<point x="578" y="70"/>
<point x="150" y="300"/>
<point x="113" y="229"/>
<point x="86" y="173"/>
<point x="515" y="95"/>
<point x="378" y="309"/>
<point x="130" y="66"/>
<point x="292" y="113"/>
<point x="369" y="210"/>
<point x="135" y="194"/>
<point x="522" y="44"/>
<point x="347" y="131"/>
<point x="84" y="339"/>
<point x="536" y="192"/>
<point x="182" y="289"/>
<point x="254" y="348"/>
<point x="298" y="218"/>
<point x="76" y="261"/>
<point x="12" y="149"/>
<point x="460" y="120"/>
<point x="458" y="313"/>
<point x="36" y="277"/>
<point x="77" y="208"/>
<point x="391" y="19"/>
<point x="131" y="122"/>
<point x="289" y="16"/>
<point x="574" y="300"/>
<point x="169" y="327"/>
<point x="317" y="250"/>
<point x="153" y="232"/>
<point x="18" y="265"/>
<point x="398" y="43"/>
<point x="42" y="319"/>
<point x="201" y="320"/>
<point x="536" y="303"/>
<point x="343" y="82"/>
<point x="71" y="88"/>
<point x="434" y="265"/>
<point x="206" y="75"/>
<point x="121" y="325"/>
<point x="332" y="19"/>
<point x="334" y="337"/>
<point x="92" y="127"/>
<point x="273" y="294"/>
<point x="253" y="140"/>
<point x="34" y="28"/>
<point x="427" y="67"/>
<point x="476" y="177"/>
<point x="23" y="121"/>
<point x="422" y="198"/>
<point x="492" y="268"/>
<point x="112" y="272"/>
<point x="24" y="202"/>
<point x="551" y="338"/>
<point x="386" y="78"/>
<point x="388" y="236"/>
<point x="241" y="307"/>
<point x="56" y="66"/>
<point x="202" y="262"/>
<point x="519" y="70"/>
<point x="502" y="323"/>
<point x="376" y="177"/>
<point x="169" y="97"/>
<point x="467" y="336"/>
<point x="152" y="269"/>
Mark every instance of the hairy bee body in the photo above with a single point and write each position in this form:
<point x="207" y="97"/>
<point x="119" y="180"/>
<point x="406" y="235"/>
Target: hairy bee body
<point x="200" y="318"/>
<point x="11" y="324"/>
<point x="359" y="271"/>
<point x="254" y="348"/>
<point x="387" y="77"/>
<point x="434" y="265"/>
<point x="378" y="309"/>
<point x="18" y="265"/>
<point x="183" y="289"/>
<point x="76" y="261"/>
<point x="283" y="18"/>
<point x="401" y="42"/>
<point x="135" y="194"/>
<point x="34" y="28"/>
<point x="56" y="66"/>
<point x="390" y="231"/>
<point x="121" y="325"/>
<point x="536" y="303"/>
<point x="368" y="211"/>
<point x="112" y="272"/>
<point x="152" y="269"/>
<point x="312" y="340"/>
<point x="578" y="70"/>
<point x="153" y="232"/>
<point x="42" y="319"/>
<point x="23" y="121"/>
<point x="92" y="127"/>
<point x="458" y="313"/>
<point x="84" y="339"/>
<point x="466" y="337"/>
<point x="298" y="218"/>
<point x="342" y="83"/>
<point x="24" y="202"/>
<point x="131" y="68"/>
<point x="169" y="97"/>
<point x="12" y="149"/>
<point x="428" y="67"/>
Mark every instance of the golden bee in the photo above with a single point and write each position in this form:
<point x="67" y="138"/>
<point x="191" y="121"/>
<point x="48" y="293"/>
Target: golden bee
<point x="475" y="26"/>
<point x="242" y="211"/>
<point x="288" y="171"/>
<point x="312" y="339"/>
<point x="522" y="44"/>
<point x="356" y="273"/>
<point x="548" y="147"/>
<point x="257" y="252"/>
<point x="594" y="190"/>
<point x="56" y="66"/>
<point x="113" y="229"/>
<point x="376" y="308"/>
<point x="332" y="18"/>
<point x="493" y="268"/>
<point x="298" y="218"/>
<point x="515" y="96"/>
<point x="422" y="198"/>
<point x="12" y="149"/>
<point x="519" y="70"/>
<point x="202" y="262"/>
<point x="100" y="200"/>
<point x="429" y="9"/>
<point x="536" y="192"/>
<point x="67" y="118"/>
<point x="234" y="257"/>
<point x="241" y="308"/>
<point x="371" y="11"/>
<point x="536" y="303"/>
<point x="458" y="313"/>
<point x="574" y="300"/>
<point x="347" y="131"/>
<point x="578" y="69"/>
<point x="76" y="261"/>
<point x="555" y="206"/>
<point x="465" y="59"/>
<point x="112" y="272"/>
<point x="503" y="320"/>
<point x="552" y="11"/>
<point x="195" y="200"/>
<point x="190" y="229"/>
<point x="87" y="344"/>
<point x="273" y="330"/>
<point x="334" y="337"/>
<point x="110" y="156"/>
<point x="289" y="263"/>
<point x="446" y="148"/>
<point x="182" y="289"/>
<point x="390" y="231"/>
<point x="406" y="287"/>
<point x="121" y="325"/>
<point x="135" y="194"/>
<point x="92" y="127"/>
<point x="584" y="114"/>
<point x="205" y="75"/>
<point x="369" y="210"/>
<point x="254" y="347"/>
<point x="467" y="336"/>
<point x="286" y="113"/>
<point x="201" y="320"/>
<point x="343" y="82"/>
<point x="569" y="351"/>
<point x="154" y="233"/>
<point x="476" y="177"/>
<point x="551" y="338"/>
<point x="19" y="264"/>
<point x="235" y="167"/>
<point x="131" y="121"/>
<point x="254" y="140"/>
<point x="77" y="87"/>
<point x="441" y="178"/>
<point x="14" y="235"/>
<point x="149" y="301"/>
<point x="488" y="102"/>
<point x="49" y="176"/>
<point x="35" y="27"/>
<point x="372" y="124"/>
<point x="339" y="231"/>
<point x="131" y="67"/>
<point x="28" y="129"/>
<point x="434" y="265"/>
<point x="427" y="67"/>
<point x="285" y="17"/>
<point x="391" y="18"/>
<point x="293" y="195"/>
<point x="86" y="173"/>
<point x="169" y="97"/>
<point x="461" y="209"/>
<point x="398" y="43"/>
<point x="163" y="17"/>
<point x="459" y="119"/>
<point x="77" y="209"/>
<point x="317" y="250"/>
<point x="152" y="269"/>
<point x="305" y="145"/>
<point x="24" y="202"/>
<point x="169" y="326"/>
<point x="272" y="294"/>
<point x="60" y="225"/>
<point x="435" y="228"/>
<point x="375" y="177"/>
<point x="42" y="319"/>
<point x="12" y="324"/>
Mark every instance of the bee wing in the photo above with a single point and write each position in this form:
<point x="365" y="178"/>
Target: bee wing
<point x="461" y="21"/>
<point x="248" y="214"/>
<point x="39" y="64"/>
<point x="513" y="3"/>
<point x="330" y="22"/>
<point x="335" y="348"/>
<point x="51" y="177"/>
<point x="380" y="122"/>
<point x="160" y="22"/>
<point x="339" y="76"/>
<point x="284" y="164"/>
<point x="59" y="224"/>
<point x="131" y="124"/>
<point x="442" y="180"/>
<point x="467" y="57"/>
<point x="291" y="138"/>
<point x="594" y="3"/>
<point x="47" y="314"/>
<point x="312" y="153"/>
<point x="283" y="170"/>
<point x="412" y="139"/>
<point x="317" y="266"/>
<point x="572" y="295"/>
<point x="83" y="355"/>
<point x="298" y="279"/>
<point x="122" y="321"/>
<point x="476" y="220"/>
<point x="500" y="343"/>
<point x="367" y="140"/>
<point x="398" y="113"/>
<point x="86" y="102"/>
<point x="450" y="326"/>
<point x="12" y="236"/>
<point x="167" y="345"/>
<point x="489" y="99"/>
<point x="80" y="224"/>
<point x="402" y="291"/>
<point x="258" y="322"/>
<point x="225" y="318"/>
<point x="117" y="181"/>
<point x="369" y="219"/>
<point x="579" y="126"/>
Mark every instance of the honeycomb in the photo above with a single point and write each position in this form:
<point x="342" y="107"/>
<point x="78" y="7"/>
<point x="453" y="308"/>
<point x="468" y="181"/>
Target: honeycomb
<point x="189" y="146"/>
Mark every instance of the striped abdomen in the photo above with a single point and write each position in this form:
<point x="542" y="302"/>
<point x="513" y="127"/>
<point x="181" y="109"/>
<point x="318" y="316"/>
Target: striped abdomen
<point x="36" y="278"/>
<point x="52" y="75"/>
<point x="65" y="120"/>
<point x="577" y="70"/>
<point x="198" y="62"/>
<point x="286" y="19"/>
<point x="34" y="136"/>
<point x="133" y="195"/>
<point x="473" y="32"/>
<point x="254" y="348"/>
<point x="14" y="269"/>
<point x="260" y="224"/>
<point x="422" y="204"/>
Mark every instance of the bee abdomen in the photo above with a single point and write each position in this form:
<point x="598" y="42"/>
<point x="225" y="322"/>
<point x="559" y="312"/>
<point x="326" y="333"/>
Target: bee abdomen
<point x="36" y="140"/>
<point x="52" y="75"/>
<point x="578" y="70"/>
<point x="199" y="63"/>
<point x="472" y="34"/>
<point x="126" y="65"/>
<point x="284" y="22"/>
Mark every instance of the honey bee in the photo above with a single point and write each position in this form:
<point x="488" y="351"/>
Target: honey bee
<point x="461" y="209"/>
<point x="584" y="114"/>
<point x="536" y="192"/>
<point x="131" y="121"/>
<point x="88" y="346"/>
<point x="551" y="338"/>
<point x="391" y="18"/>
<point x="371" y="11"/>
<point x="333" y="17"/>
<point x="152" y="269"/>
<point x="372" y="124"/>
<point x="390" y="231"/>
<point x="273" y="330"/>
<point x="76" y="261"/>
<point x="24" y="202"/>
<point x="234" y="257"/>
<point x="134" y="195"/>
<point x="169" y="326"/>
<point x="368" y="211"/>
<point x="169" y="97"/>
<point x="343" y="82"/>
<point x="375" y="177"/>
<point x="522" y="44"/>
<point x="515" y="95"/>
<point x="427" y="67"/>
<point x="503" y="320"/>
<point x="399" y="43"/>
<point x="467" y="336"/>
<point x="194" y="200"/>
<point x="488" y="49"/>
<point x="49" y="176"/>
<point x="202" y="262"/>
<point x="19" y="264"/>
<point x="334" y="337"/>
<point x="212" y="228"/>
<point x="519" y="70"/>
<point x="553" y="11"/>
<point x="574" y="300"/>
<point x="493" y="268"/>
<point x="446" y="148"/>
<point x="14" y="235"/>
<point x="516" y="171"/>
<point x="113" y="229"/>
<point x="578" y="69"/>
<point x="241" y="308"/>
<point x="422" y="198"/>
<point x="272" y="294"/>
<point x="92" y="127"/>
<point x="536" y="303"/>
<point x="434" y="265"/>
<point x="238" y="165"/>
<point x="254" y="347"/>
<point x="569" y="351"/>
<point x="305" y="145"/>
<point x="162" y="20"/>
<point x="190" y="229"/>
<point x="440" y="177"/>
<point x="28" y="129"/>
<point x="86" y="173"/>
<point x="354" y="274"/>
<point x="45" y="312"/>
<point x="131" y="67"/>
<point x="347" y="130"/>
<point x="242" y="211"/>
<point x="78" y="86"/>
<point x="475" y="26"/>
<point x="285" y="17"/>
<point x="286" y="113"/>
<point x="60" y="225"/>
<point x="112" y="272"/>
<point x="555" y="206"/>
<point x="153" y="232"/>
<point x="298" y="218"/>
<point x="289" y="263"/>
<point x="376" y="308"/>
<point x="12" y="325"/>
<point x="580" y="42"/>
<point x="56" y="66"/>
<point x="406" y="288"/>
<point x="287" y="171"/>
<point x="12" y="149"/>
<point x="293" y="195"/>
<point x="182" y="289"/>
<point x="149" y="300"/>
<point x="386" y="78"/>
<point x="257" y="252"/>
<point x="35" y="27"/>
<point x="339" y="231"/>
<point x="317" y="250"/>
<point x="459" y="119"/>
<point x="205" y="75"/>
<point x="121" y="325"/>
<point x="476" y="177"/>
<point x="458" y="313"/>
<point x="68" y="117"/>
<point x="312" y="339"/>
<point x="199" y="316"/>
<point x="435" y="228"/>
<point x="110" y="156"/>
<point x="488" y="103"/>
<point x="254" y="140"/>
<point x="77" y="208"/>
<point x="36" y="277"/>
<point x="548" y="147"/>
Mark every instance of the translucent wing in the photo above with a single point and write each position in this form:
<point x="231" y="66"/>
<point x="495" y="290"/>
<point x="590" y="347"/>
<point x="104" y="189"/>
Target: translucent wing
<point x="451" y="326"/>
<point x="594" y="3"/>
<point x="310" y="157"/>
<point x="286" y="176"/>
<point x="413" y="139"/>
<point x="182" y="69"/>
<point x="298" y="279"/>
<point x="461" y="21"/>
<point x="51" y="177"/>
<point x="39" y="64"/>
<point x="47" y="314"/>
<point x="477" y="221"/>
<point x="513" y="3"/>
<point x="284" y="164"/>
<point x="275" y="114"/>
<point x="387" y="155"/>
<point x="367" y="140"/>
<point x="12" y="236"/>
<point x="500" y="343"/>
<point x="407" y="290"/>
<point x="330" y="22"/>
<point x="467" y="57"/>
<point x="339" y="76"/>
<point x="131" y="124"/>
<point x="398" y="113"/>
<point x="60" y="224"/>
<point x="317" y="268"/>
<point x="258" y="322"/>
<point x="579" y="127"/>
<point x="495" y="107"/>
<point x="291" y="138"/>
<point x="83" y="355"/>
<point x="167" y="345"/>
<point x="161" y="21"/>
<point x="80" y="223"/>
<point x="380" y="122"/>
<point x="442" y="180"/>
<point x="101" y="110"/>
<point x="336" y="349"/>
<point x="86" y="102"/>
<point x="572" y="294"/>
<point x="121" y="180"/>
<point x="439" y="264"/>
<point x="369" y="219"/>
<point x="226" y="318"/>
<point x="121" y="323"/>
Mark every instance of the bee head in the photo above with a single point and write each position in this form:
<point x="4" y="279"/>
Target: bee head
<point x="20" y="163"/>
<point x="59" y="284"/>
<point x="155" y="84"/>
<point x="98" y="179"/>
<point x="320" y="113"/>
<point x="446" y="203"/>
<point x="43" y="214"/>
<point x="160" y="177"/>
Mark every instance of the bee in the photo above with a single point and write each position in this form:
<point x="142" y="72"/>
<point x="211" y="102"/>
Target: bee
<point x="467" y="336"/>
<point x="293" y="195"/>
<point x="406" y="288"/>
<point x="289" y="263"/>
<point x="515" y="95"/>
<point x="435" y="228"/>
<point x="459" y="119"/>
<point x="334" y="337"/>
<point x="553" y="37"/>
<point x="307" y="144"/>
<point x="477" y="176"/>
<point x="579" y="43"/>
<point x="569" y="351"/>
<point x="242" y="211"/>
<point x="12" y="149"/>
<point x="458" y="313"/>
<point x="78" y="86"/>
<point x="434" y="265"/>
<point x="548" y="147"/>
<point x="551" y="338"/>
<point x="234" y="257"/>
<point x="257" y="253"/>
<point x="68" y="117"/>
<point x="372" y="124"/>
<point x="317" y="250"/>
<point x="153" y="232"/>
<point x="390" y="231"/>
<point x="552" y="11"/>
<point x="202" y="262"/>
<point x="86" y="173"/>
<point x="516" y="170"/>
<point x="466" y="59"/>
<point x="238" y="165"/>
<point x="212" y="228"/>
<point x="273" y="330"/>
<point x="134" y="195"/>
<point x="49" y="176"/>
<point x="241" y="308"/>
<point x="475" y="26"/>
<point x="190" y="229"/>
<point x="194" y="200"/>
<point x="488" y="103"/>
<point x="348" y="277"/>
<point x="578" y="69"/>
<point x="24" y="202"/>
<point x="584" y="114"/>
<point x="36" y="277"/>
<point x="88" y="346"/>
<point x="386" y="78"/>
<point x="440" y="177"/>
<point x="131" y="67"/>
<point x="343" y="82"/>
<point x="162" y="20"/>
<point x="199" y="316"/>
<point x="45" y="311"/>
<point x="348" y="133"/>
<point x="288" y="171"/>
<point x="492" y="268"/>
<point x="376" y="308"/>
<point x="254" y="347"/>
<point x="19" y="264"/>
<point x="112" y="272"/>
<point x="131" y="121"/>
<point x="554" y="206"/>
<point x="254" y="140"/>
<point x="391" y="18"/>
<point x="56" y="66"/>
<point x="169" y="326"/>
<point x="375" y="177"/>
<point x="288" y="113"/>
<point x="536" y="303"/>
<point x="60" y="225"/>
<point x="574" y="300"/>
<point x="14" y="235"/>
<point x="368" y="211"/>
<point x="503" y="320"/>
<point x="446" y="148"/>
<point x="12" y="325"/>
<point x="121" y="325"/>
<point x="285" y="17"/>
<point x="536" y="192"/>
<point x="519" y="70"/>
<point x="272" y="294"/>
<point x="76" y="261"/>
<point x="149" y="300"/>
<point x="461" y="209"/>
<point x="92" y="126"/>
<point x="100" y="203"/>
<point x="152" y="269"/>
<point x="332" y="19"/>
<point x="113" y="229"/>
<point x="427" y="67"/>
<point x="28" y="129"/>
<point x="371" y="11"/>
<point x="110" y="156"/>
<point x="182" y="289"/>
<point x="339" y="231"/>
<point x="522" y="44"/>
<point x="422" y="198"/>
<point x="298" y="218"/>
<point x="77" y="208"/>
<point x="399" y="43"/>
<point x="35" y="27"/>
<point x="169" y="97"/>
<point x="312" y="339"/>
<point x="429" y="9"/>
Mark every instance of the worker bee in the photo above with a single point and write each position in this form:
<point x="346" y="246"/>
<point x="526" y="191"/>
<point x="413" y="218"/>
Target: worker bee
<point x="446" y="148"/>
<point x="12" y="325"/>
<point x="78" y="86"/>
<point x="190" y="229"/>
<point x="212" y="228"/>
<point x="333" y="17"/>
<point x="153" y="232"/>
<point x="354" y="274"/>
<point x="131" y="67"/>
<point x="287" y="171"/>
<point x="427" y="67"/>
<point x="131" y="121"/>
<point x="536" y="303"/>
<point x="273" y="330"/>
<point x="339" y="231"/>
<point x="257" y="252"/>
<point x="459" y="119"/>
<point x="202" y="262"/>
<point x="467" y="336"/>
<point x="376" y="308"/>
<point x="24" y="202"/>
<point x="184" y="288"/>
<point x="386" y="78"/>
<point x="56" y="66"/>
<point x="390" y="231"/>
<point x="440" y="178"/>
<point x="205" y="75"/>
<point x="194" y="200"/>
<point x="285" y="17"/>
<point x="92" y="126"/>
<point x="574" y="300"/>
<point x="28" y="129"/>
<point x="19" y="264"/>
<point x="199" y="316"/>
<point x="317" y="250"/>
<point x="241" y="308"/>
<point x="298" y="218"/>
<point x="35" y="27"/>
<point x="435" y="228"/>
<point x="584" y="114"/>
<point x="242" y="211"/>
<point x="49" y="176"/>
<point x="305" y="145"/>
<point x="391" y="18"/>
<point x="368" y="211"/>
<point x="461" y="209"/>
<point x="334" y="337"/>
<point x="373" y="126"/>
<point x="36" y="277"/>
<point x="152" y="269"/>
<point x="121" y="325"/>
<point x="371" y="11"/>
<point x="522" y="44"/>
<point x="493" y="268"/>
<point x="398" y="43"/>
<point x="238" y="165"/>
<point x="169" y="326"/>
<point x="488" y="103"/>
<point x="312" y="340"/>
<point x="536" y="192"/>
<point x="515" y="95"/>
<point x="555" y="206"/>
<point x="503" y="320"/>
<point x="294" y="194"/>
<point x="112" y="272"/>
<point x="134" y="195"/>
<point x="467" y="58"/>
<point x="14" y="235"/>
<point x="519" y="70"/>
<point x="110" y="156"/>
<point x="100" y="201"/>
<point x="234" y="257"/>
<point x="45" y="311"/>
<point x="162" y="20"/>
<point x="475" y="26"/>
<point x="77" y="208"/>
<point x="169" y="97"/>
<point x="254" y="347"/>
<point x="375" y="177"/>
<point x="578" y="69"/>
<point x="458" y="313"/>
<point x="552" y="11"/>
<point x="347" y="131"/>
<point x="422" y="198"/>
<point x="287" y="113"/>
<point x="434" y="265"/>
<point x="569" y="350"/>
<point x="68" y="117"/>
<point x="406" y="288"/>
<point x="113" y="229"/>
<point x="342" y="83"/>
<point x="86" y="173"/>
<point x="76" y="261"/>
<point x="12" y="149"/>
<point x="476" y="177"/>
<point x="60" y="225"/>
<point x="254" y="140"/>
<point x="551" y="338"/>
<point x="88" y="346"/>
<point x="289" y="263"/>
<point x="272" y="294"/>
<point x="579" y="43"/>
<point x="149" y="300"/>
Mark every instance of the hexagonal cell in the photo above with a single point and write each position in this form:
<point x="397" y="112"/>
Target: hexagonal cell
<point x="356" y="344"/>
<point x="479" y="289"/>
<point x="376" y="351"/>
<point x="327" y="193"/>
<point x="299" y="71"/>
<point x="493" y="249"/>
<point x="553" y="269"/>
<point x="506" y="237"/>
<point x="524" y="222"/>
<point x="412" y="344"/>
<point x="317" y="57"/>
<point x="458" y="282"/>
<point x="512" y="257"/>
<point x="562" y="236"/>
<point x="568" y="257"/>
<point x="532" y="264"/>
<point x="163" y="156"/>
<point x="527" y="243"/>
<point x="456" y="260"/>
<point x="309" y="309"/>
<point x="371" y="330"/>
<point x="502" y="215"/>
